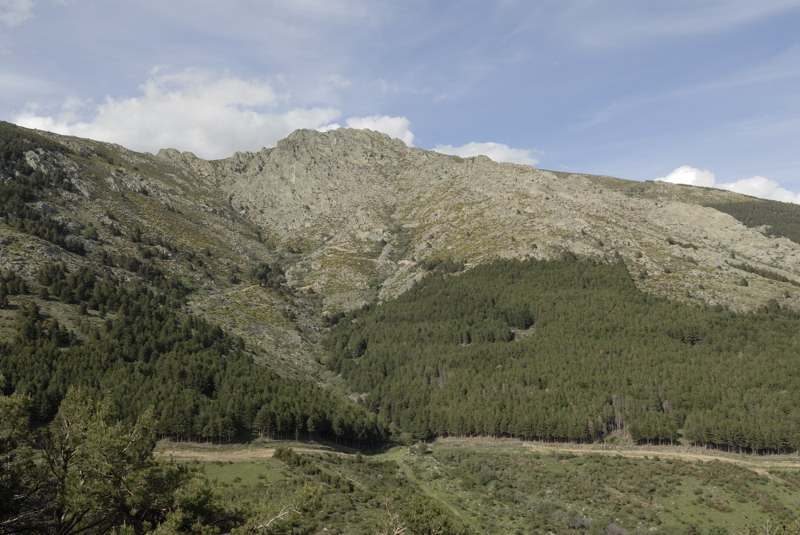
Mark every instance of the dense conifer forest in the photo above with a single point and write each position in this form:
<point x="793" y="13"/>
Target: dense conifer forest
<point x="571" y="350"/>
<point x="136" y="347"/>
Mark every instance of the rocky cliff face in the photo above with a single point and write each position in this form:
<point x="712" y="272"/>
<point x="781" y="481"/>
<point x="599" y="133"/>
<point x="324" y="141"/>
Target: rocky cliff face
<point x="355" y="214"/>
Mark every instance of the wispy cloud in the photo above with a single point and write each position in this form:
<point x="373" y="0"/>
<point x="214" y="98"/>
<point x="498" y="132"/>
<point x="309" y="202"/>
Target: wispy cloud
<point x="15" y="12"/>
<point x="623" y="23"/>
<point x="784" y="66"/>
<point x="327" y="11"/>
<point x="339" y="81"/>
<point x="19" y="84"/>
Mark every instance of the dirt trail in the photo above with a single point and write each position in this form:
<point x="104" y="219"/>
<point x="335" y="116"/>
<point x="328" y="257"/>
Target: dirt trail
<point x="758" y="464"/>
<point x="225" y="453"/>
<point x="233" y="291"/>
<point x="222" y="455"/>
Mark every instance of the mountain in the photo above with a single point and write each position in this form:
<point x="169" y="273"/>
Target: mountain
<point x="347" y="288"/>
<point x="348" y="216"/>
<point x="366" y="212"/>
<point x="355" y="212"/>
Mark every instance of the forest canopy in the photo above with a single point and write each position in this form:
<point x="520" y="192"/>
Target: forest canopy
<point x="142" y="350"/>
<point x="572" y="350"/>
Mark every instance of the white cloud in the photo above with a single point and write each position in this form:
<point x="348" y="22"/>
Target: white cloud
<point x="691" y="176"/>
<point x="15" y="12"/>
<point x="757" y="186"/>
<point x="496" y="151"/>
<point x="194" y="110"/>
<point x="397" y="127"/>
<point x="190" y="110"/>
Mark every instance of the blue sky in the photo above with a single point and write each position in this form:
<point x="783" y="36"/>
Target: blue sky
<point x="697" y="91"/>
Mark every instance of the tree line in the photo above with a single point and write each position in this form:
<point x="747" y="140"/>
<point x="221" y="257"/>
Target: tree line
<point x="780" y="218"/>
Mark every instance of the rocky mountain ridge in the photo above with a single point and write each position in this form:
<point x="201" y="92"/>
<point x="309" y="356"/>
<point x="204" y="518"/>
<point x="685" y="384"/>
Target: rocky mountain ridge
<point x="353" y="215"/>
<point x="365" y="211"/>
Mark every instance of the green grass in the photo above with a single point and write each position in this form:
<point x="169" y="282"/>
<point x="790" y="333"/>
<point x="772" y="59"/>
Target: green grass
<point x="245" y="474"/>
<point x="507" y="487"/>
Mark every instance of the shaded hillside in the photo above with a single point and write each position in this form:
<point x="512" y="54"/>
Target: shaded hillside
<point x="780" y="219"/>
<point x="142" y="218"/>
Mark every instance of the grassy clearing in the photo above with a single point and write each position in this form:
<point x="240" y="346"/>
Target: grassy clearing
<point x="244" y="474"/>
<point x="509" y="486"/>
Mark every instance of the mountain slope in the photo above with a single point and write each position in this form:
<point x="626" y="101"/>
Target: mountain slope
<point x="109" y="279"/>
<point x="571" y="350"/>
<point x="169" y="281"/>
<point x="353" y="215"/>
<point x="366" y="212"/>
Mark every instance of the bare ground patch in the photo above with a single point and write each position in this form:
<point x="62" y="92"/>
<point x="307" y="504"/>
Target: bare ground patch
<point x="197" y="451"/>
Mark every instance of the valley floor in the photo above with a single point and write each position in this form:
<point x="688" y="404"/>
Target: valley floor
<point x="490" y="485"/>
<point x="237" y="452"/>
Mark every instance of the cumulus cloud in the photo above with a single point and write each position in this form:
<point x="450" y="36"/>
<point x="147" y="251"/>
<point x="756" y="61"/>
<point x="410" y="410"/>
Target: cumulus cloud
<point x="212" y="116"/>
<point x="496" y="151"/>
<point x="15" y="12"/>
<point x="691" y="176"/>
<point x="757" y="186"/>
